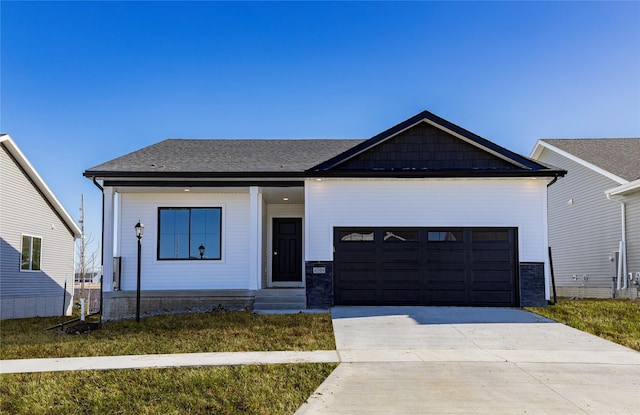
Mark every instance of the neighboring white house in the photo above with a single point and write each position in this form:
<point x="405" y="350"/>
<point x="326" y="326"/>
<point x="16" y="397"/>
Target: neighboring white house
<point x="594" y="215"/>
<point x="424" y="213"/>
<point x="37" y="238"/>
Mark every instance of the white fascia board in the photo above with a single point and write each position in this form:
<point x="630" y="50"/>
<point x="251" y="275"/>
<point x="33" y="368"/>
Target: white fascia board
<point x="624" y="189"/>
<point x="541" y="145"/>
<point x="40" y="184"/>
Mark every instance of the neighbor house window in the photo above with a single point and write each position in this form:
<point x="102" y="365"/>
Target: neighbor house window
<point x="31" y="253"/>
<point x="183" y="232"/>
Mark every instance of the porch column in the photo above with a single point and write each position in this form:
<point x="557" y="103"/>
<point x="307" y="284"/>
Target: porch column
<point x="107" y="238"/>
<point x="255" y="237"/>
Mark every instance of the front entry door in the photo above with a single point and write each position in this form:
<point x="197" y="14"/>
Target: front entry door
<point x="287" y="250"/>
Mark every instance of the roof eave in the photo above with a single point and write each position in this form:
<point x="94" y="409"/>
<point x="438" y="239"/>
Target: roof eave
<point x="100" y="175"/>
<point x="625" y="189"/>
<point x="442" y="173"/>
<point x="53" y="201"/>
<point x="541" y="145"/>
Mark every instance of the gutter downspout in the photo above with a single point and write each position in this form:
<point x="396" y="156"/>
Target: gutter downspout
<point x="622" y="265"/>
<point x="553" y="279"/>
<point x="102" y="250"/>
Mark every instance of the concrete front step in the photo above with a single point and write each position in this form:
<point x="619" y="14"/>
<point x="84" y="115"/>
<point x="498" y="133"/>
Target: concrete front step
<point x="293" y="292"/>
<point x="279" y="306"/>
<point x="280" y="299"/>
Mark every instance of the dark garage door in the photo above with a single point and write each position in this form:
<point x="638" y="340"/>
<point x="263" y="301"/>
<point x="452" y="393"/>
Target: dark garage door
<point x="426" y="266"/>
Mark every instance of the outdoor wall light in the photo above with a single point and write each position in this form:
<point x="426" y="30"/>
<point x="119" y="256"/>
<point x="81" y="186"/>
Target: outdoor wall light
<point x="201" y="249"/>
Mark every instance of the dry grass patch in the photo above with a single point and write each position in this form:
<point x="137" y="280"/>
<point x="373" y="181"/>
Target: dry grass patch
<point x="614" y="320"/>
<point x="235" y="331"/>
<point x="273" y="389"/>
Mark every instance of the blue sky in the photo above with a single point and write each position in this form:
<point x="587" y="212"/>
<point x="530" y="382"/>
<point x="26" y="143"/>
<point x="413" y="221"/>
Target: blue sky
<point x="84" y="82"/>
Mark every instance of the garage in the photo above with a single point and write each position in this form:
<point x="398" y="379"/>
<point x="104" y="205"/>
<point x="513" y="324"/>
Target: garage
<point x="426" y="266"/>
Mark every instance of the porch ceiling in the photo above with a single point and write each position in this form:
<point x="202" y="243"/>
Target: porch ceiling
<point x="277" y="195"/>
<point x="271" y="195"/>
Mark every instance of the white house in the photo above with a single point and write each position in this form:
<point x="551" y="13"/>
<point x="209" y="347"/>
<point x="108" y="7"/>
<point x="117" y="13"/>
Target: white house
<point x="424" y="213"/>
<point x="37" y="238"/>
<point x="594" y="215"/>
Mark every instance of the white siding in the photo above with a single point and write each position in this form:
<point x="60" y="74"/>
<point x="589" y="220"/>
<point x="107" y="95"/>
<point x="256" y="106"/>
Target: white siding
<point x="423" y="202"/>
<point x="23" y="210"/>
<point x="584" y="226"/>
<point x="633" y="232"/>
<point x="232" y="272"/>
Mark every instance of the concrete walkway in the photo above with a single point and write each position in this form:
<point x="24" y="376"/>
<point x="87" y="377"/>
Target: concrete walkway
<point x="449" y="360"/>
<point x="165" y="360"/>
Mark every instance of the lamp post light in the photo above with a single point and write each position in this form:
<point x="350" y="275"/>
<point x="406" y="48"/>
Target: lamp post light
<point x="201" y="249"/>
<point x="139" y="231"/>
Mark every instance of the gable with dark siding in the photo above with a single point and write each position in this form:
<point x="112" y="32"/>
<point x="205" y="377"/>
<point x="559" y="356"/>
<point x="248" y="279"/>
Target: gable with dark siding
<point x="424" y="147"/>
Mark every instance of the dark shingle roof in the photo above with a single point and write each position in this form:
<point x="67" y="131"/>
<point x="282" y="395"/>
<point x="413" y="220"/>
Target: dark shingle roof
<point x="619" y="156"/>
<point x="225" y="156"/>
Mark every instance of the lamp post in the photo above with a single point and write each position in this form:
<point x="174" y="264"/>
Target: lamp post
<point x="139" y="231"/>
<point x="201" y="249"/>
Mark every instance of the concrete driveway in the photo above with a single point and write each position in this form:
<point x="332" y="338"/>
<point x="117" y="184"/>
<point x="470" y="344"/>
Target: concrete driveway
<point x="451" y="360"/>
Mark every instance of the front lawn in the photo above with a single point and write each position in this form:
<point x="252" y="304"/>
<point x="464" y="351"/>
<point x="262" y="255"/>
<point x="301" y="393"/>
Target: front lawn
<point x="260" y="389"/>
<point x="272" y="389"/>
<point x="235" y="331"/>
<point x="614" y="320"/>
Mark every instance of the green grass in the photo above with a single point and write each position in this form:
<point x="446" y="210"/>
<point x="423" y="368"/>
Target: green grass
<point x="262" y="389"/>
<point x="184" y="333"/>
<point x="614" y="320"/>
<point x="273" y="389"/>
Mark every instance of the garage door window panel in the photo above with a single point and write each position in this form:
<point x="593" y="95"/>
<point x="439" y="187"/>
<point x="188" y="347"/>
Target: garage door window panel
<point x="357" y="236"/>
<point x="490" y="236"/>
<point x="400" y="236"/>
<point x="444" y="236"/>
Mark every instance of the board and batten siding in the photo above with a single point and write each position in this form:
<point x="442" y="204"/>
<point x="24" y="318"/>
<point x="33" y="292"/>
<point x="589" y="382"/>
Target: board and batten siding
<point x="231" y="272"/>
<point x="584" y="226"/>
<point x="517" y="203"/>
<point x="24" y="211"/>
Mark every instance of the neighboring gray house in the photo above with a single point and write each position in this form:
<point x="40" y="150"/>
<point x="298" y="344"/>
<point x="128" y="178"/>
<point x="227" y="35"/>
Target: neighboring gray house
<point x="37" y="238"/>
<point x="424" y="213"/>
<point x="594" y="215"/>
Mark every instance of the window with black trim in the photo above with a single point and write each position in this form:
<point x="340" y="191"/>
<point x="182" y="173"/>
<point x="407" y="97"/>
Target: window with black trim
<point x="31" y="253"/>
<point x="190" y="233"/>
